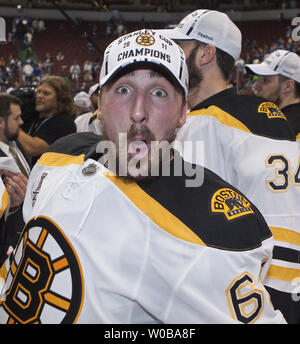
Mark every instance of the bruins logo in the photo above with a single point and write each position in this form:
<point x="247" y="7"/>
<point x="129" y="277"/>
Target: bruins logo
<point x="145" y="39"/>
<point x="44" y="283"/>
<point x="230" y="203"/>
<point x="271" y="110"/>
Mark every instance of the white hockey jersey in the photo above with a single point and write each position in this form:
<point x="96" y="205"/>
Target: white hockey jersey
<point x="239" y="138"/>
<point x="96" y="249"/>
<point x="88" y="122"/>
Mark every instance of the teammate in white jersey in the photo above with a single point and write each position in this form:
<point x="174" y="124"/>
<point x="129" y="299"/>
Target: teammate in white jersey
<point x="279" y="82"/>
<point x="247" y="141"/>
<point x="89" y="122"/>
<point x="137" y="248"/>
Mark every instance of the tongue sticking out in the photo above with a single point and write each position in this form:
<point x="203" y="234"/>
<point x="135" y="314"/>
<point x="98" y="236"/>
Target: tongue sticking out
<point x="138" y="149"/>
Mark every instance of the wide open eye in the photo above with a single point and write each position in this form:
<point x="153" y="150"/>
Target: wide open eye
<point x="158" y="92"/>
<point x="123" y="90"/>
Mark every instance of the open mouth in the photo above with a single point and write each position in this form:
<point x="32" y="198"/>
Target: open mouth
<point x="138" y="147"/>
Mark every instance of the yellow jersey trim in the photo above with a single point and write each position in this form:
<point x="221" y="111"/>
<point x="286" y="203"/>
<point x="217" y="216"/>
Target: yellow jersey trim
<point x="4" y="202"/>
<point x="222" y="116"/>
<point x="59" y="159"/>
<point x="155" y="211"/>
<point x="282" y="273"/>
<point x="286" y="235"/>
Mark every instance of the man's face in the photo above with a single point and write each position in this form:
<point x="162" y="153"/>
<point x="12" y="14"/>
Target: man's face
<point x="268" y="87"/>
<point x="46" y="100"/>
<point x="13" y="123"/>
<point x="146" y="107"/>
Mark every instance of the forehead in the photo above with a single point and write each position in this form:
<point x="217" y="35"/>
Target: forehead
<point x="15" y="109"/>
<point x="45" y="87"/>
<point x="269" y="78"/>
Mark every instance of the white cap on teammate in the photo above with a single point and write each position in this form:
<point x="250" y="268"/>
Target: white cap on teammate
<point x="211" y="27"/>
<point x="282" y="62"/>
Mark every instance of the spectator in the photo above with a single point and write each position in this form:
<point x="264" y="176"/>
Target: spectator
<point x="14" y="170"/>
<point x="110" y="26"/>
<point x="87" y="71"/>
<point x="90" y="121"/>
<point x="56" y="111"/>
<point x="90" y="47"/>
<point x="41" y="25"/>
<point x="28" y="38"/>
<point x="82" y="102"/>
<point x="60" y="56"/>
<point x="28" y="73"/>
<point x="75" y="71"/>
<point x="48" y="63"/>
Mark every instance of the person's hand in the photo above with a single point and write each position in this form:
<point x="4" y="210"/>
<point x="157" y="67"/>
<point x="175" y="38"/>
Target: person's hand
<point x="16" y="184"/>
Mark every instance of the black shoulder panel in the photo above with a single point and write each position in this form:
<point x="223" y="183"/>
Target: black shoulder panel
<point x="257" y="114"/>
<point x="76" y="144"/>
<point x="292" y="113"/>
<point x="216" y="212"/>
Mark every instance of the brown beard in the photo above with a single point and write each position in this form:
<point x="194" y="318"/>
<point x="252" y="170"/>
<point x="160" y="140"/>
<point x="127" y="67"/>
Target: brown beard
<point x="195" y="75"/>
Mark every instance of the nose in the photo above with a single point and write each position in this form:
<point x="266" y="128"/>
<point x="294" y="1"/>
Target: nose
<point x="257" y="86"/>
<point x="139" y="112"/>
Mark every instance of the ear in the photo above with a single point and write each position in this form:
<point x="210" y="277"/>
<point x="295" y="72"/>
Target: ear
<point x="289" y="85"/>
<point x="2" y="123"/>
<point x="206" y="54"/>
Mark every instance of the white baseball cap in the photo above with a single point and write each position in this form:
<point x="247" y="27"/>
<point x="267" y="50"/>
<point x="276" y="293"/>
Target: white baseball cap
<point x="94" y="89"/>
<point x="211" y="27"/>
<point x="145" y="46"/>
<point x="82" y="99"/>
<point x="282" y="62"/>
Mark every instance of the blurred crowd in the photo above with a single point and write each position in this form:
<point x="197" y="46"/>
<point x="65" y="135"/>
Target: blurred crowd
<point x="27" y="69"/>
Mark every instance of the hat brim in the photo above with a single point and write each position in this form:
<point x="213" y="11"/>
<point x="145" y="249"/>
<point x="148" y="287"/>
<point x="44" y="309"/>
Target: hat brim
<point x="132" y="65"/>
<point x="261" y="69"/>
<point x="174" y="34"/>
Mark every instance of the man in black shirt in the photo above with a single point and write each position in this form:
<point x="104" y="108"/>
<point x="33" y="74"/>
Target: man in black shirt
<point x="56" y="109"/>
<point x="14" y="171"/>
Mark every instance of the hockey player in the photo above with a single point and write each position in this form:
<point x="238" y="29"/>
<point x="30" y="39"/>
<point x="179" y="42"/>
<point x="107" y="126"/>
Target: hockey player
<point x="279" y="82"/>
<point x="134" y="246"/>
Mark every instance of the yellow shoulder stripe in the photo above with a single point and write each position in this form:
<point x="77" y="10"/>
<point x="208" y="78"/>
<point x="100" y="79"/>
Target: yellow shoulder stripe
<point x="282" y="273"/>
<point x="4" y="202"/>
<point x="286" y="235"/>
<point x="3" y="274"/>
<point x="59" y="159"/>
<point x="155" y="211"/>
<point x="222" y="116"/>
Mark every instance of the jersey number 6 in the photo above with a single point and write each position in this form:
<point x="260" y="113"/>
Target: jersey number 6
<point x="245" y="301"/>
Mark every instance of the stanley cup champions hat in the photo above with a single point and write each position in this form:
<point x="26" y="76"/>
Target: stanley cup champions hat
<point x="211" y="27"/>
<point x="280" y="61"/>
<point x="145" y="46"/>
